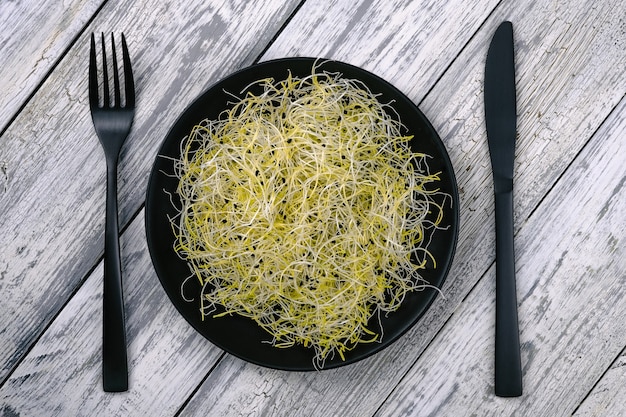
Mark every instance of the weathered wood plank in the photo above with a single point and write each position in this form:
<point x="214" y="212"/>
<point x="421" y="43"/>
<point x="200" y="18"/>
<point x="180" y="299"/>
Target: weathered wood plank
<point x="32" y="39"/>
<point x="554" y="86"/>
<point x="607" y="397"/>
<point x="62" y="375"/>
<point x="454" y="105"/>
<point x="53" y="201"/>
<point x="565" y="348"/>
<point x="409" y="43"/>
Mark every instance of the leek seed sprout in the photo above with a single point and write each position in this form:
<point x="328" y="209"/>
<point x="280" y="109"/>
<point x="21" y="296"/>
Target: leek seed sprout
<point x="304" y="209"/>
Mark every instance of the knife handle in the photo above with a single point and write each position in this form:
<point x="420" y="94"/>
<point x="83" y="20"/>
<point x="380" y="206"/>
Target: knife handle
<point x="508" y="368"/>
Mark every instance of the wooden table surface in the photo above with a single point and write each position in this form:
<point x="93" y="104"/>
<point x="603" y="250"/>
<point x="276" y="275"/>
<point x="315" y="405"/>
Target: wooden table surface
<point x="570" y="206"/>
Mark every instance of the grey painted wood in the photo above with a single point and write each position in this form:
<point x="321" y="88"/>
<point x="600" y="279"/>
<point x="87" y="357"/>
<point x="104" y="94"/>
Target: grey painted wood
<point x="607" y="397"/>
<point x="409" y="43"/>
<point x="62" y="375"/>
<point x="34" y="36"/>
<point x="571" y="68"/>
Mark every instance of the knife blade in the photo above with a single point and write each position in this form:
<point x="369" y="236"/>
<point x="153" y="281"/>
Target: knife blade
<point x="501" y="124"/>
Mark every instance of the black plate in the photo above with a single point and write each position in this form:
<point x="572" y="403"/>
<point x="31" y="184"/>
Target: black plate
<point x="241" y="336"/>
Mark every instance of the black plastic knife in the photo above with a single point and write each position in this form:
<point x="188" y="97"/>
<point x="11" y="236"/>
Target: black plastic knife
<point x="501" y="123"/>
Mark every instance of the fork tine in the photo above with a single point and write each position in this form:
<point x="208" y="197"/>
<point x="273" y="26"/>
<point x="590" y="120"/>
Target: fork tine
<point x="105" y="75"/>
<point x="128" y="76"/>
<point x="93" y="75"/>
<point x="116" y="77"/>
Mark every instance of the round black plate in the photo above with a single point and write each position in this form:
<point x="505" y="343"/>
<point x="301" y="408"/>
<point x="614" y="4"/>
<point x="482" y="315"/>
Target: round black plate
<point x="241" y="336"/>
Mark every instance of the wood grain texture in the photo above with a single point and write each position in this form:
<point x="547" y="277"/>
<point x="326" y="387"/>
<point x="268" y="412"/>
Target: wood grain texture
<point x="62" y="375"/>
<point x="46" y="253"/>
<point x="571" y="63"/>
<point x="565" y="349"/>
<point x="607" y="397"/>
<point x="408" y="43"/>
<point x="33" y="38"/>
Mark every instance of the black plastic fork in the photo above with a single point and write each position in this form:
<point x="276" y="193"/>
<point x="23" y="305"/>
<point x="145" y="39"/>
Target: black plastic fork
<point x="112" y="121"/>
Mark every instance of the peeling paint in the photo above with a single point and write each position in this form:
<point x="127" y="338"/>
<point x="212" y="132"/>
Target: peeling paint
<point x="4" y="177"/>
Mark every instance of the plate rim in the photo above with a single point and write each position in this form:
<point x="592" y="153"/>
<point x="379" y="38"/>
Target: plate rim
<point x="288" y="62"/>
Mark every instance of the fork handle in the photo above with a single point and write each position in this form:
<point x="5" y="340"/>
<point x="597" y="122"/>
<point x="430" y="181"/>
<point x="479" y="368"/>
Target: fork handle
<point x="114" y="358"/>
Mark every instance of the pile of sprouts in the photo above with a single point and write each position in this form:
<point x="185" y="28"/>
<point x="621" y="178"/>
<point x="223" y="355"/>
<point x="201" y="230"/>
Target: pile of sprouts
<point x="304" y="209"/>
